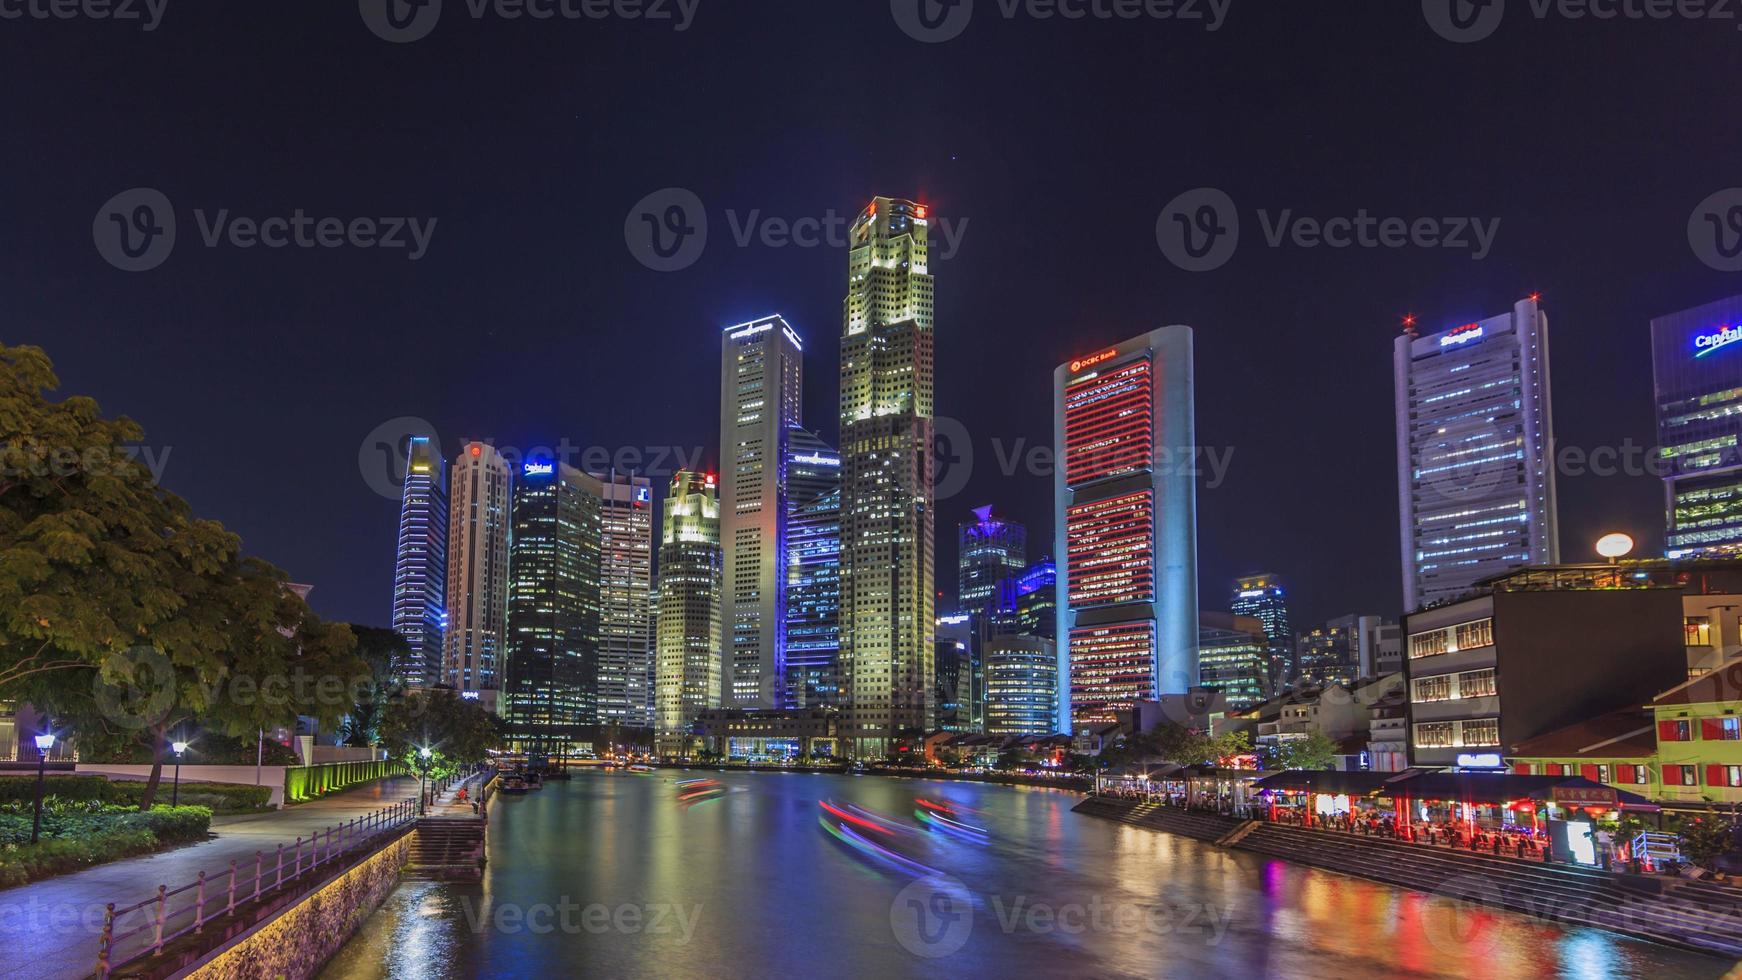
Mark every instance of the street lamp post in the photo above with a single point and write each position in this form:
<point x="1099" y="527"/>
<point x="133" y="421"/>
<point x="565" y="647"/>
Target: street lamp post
<point x="175" y="789"/>
<point x="423" y="756"/>
<point x="44" y="742"/>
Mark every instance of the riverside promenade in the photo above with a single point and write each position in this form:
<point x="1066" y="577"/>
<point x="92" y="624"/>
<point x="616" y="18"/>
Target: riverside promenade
<point x="51" y="927"/>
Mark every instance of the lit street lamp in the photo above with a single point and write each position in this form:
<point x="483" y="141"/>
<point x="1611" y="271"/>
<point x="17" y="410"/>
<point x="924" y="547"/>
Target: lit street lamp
<point x="44" y="742"/>
<point x="1614" y="546"/>
<point x="175" y="790"/>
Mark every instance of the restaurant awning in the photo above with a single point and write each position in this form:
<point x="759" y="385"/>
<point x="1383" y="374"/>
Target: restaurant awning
<point x="1490" y="788"/>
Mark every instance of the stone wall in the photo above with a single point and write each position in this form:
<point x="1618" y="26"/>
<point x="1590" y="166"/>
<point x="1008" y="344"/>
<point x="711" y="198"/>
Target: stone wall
<point x="299" y="940"/>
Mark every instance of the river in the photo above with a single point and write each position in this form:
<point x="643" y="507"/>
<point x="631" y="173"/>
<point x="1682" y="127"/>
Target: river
<point x="639" y="875"/>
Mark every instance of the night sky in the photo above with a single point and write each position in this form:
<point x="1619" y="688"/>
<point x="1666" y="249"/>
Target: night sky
<point x="1058" y="142"/>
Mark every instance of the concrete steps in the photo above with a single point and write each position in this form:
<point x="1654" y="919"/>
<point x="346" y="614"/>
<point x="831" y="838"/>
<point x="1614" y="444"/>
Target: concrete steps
<point x="1195" y="824"/>
<point x="446" y="848"/>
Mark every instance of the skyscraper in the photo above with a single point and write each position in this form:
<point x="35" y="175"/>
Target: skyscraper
<point x="1127" y="524"/>
<point x="687" y="629"/>
<point x="1698" y="384"/>
<point x="552" y="674"/>
<point x="477" y="573"/>
<point x="626" y="660"/>
<point x="992" y="550"/>
<point x="761" y="375"/>
<point x="1034" y="597"/>
<point x="1475" y="435"/>
<point x="1261" y="596"/>
<point x="1234" y="658"/>
<point x="420" y="573"/>
<point x="888" y="563"/>
<point x="813" y="572"/>
<point x="1022" y="685"/>
<point x="959" y="673"/>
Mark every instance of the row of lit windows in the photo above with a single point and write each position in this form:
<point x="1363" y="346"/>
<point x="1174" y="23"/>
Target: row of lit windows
<point x="1451" y="639"/>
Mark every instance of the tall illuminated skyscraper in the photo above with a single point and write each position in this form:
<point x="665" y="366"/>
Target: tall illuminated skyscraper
<point x="991" y="551"/>
<point x="1022" y="685"/>
<point x="813" y="572"/>
<point x="1261" y="596"/>
<point x="687" y="631"/>
<point x="1475" y="436"/>
<point x="761" y="376"/>
<point x="1234" y="658"/>
<point x="626" y="660"/>
<point x="420" y="573"/>
<point x="477" y="572"/>
<point x="552" y="675"/>
<point x="888" y="562"/>
<point x="1698" y="382"/>
<point x="1127" y="524"/>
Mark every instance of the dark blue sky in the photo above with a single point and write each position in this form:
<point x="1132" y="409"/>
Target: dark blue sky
<point x="1058" y="142"/>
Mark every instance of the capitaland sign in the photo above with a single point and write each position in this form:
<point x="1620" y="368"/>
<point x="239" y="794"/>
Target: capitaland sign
<point x="1723" y="337"/>
<point x="539" y="469"/>
<point x="1468" y="333"/>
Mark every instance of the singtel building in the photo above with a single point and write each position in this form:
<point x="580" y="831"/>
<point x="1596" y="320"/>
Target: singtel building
<point x="1698" y="381"/>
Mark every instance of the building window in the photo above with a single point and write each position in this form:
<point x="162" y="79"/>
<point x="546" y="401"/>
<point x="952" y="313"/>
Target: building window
<point x="1433" y="688"/>
<point x="1477" y="684"/>
<point x="1485" y="731"/>
<point x="1605" y="774"/>
<point x="1689" y="775"/>
<point x="1428" y="644"/>
<point x="1434" y="735"/>
<point x="1675" y="731"/>
<point x="1721" y="729"/>
<point x="1477" y="634"/>
<point x="1697" y="630"/>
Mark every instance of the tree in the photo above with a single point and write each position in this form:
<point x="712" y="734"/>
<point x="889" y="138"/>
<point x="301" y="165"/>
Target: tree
<point x="1316" y="751"/>
<point x="382" y="651"/>
<point x="92" y="551"/>
<point x="243" y="654"/>
<point x="460" y="730"/>
<point x="1703" y="840"/>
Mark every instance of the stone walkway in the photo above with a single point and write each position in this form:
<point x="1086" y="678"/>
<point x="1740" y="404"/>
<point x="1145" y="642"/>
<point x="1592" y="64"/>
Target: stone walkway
<point x="49" y="929"/>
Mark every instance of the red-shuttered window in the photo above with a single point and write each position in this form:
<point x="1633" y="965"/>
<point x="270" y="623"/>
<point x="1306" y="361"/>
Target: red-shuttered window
<point x="1720" y="729"/>
<point x="1715" y="776"/>
<point x="1632" y="775"/>
<point x="1521" y="768"/>
<point x="1674" y="731"/>
<point x="1556" y="769"/>
<point x="1589" y="772"/>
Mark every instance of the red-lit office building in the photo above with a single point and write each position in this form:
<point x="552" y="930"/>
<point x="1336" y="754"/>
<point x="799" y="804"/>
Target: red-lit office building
<point x="1127" y="525"/>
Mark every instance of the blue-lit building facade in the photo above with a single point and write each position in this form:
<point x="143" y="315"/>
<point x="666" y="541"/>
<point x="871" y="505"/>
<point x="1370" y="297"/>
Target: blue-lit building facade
<point x="1126" y="525"/>
<point x="1475" y="437"/>
<point x="1698" y="385"/>
<point x="813" y="571"/>
<point x="991" y="551"/>
<point x="1030" y="600"/>
<point x="420" y="570"/>
<point x="959" y="671"/>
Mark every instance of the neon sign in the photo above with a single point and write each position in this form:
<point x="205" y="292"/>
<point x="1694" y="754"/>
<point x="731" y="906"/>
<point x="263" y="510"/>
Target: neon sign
<point x="1463" y="335"/>
<point x="538" y="469"/>
<point x="815" y="460"/>
<point x="1706" y="343"/>
<point x="1093" y="359"/>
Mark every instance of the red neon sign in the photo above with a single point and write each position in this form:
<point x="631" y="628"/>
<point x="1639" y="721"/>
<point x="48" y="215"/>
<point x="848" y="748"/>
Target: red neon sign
<point x="1093" y="359"/>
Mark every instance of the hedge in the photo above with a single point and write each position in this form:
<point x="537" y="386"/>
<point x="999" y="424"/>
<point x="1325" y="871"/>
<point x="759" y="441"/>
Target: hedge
<point x="218" y="797"/>
<point x="208" y="749"/>
<point x="98" y="838"/>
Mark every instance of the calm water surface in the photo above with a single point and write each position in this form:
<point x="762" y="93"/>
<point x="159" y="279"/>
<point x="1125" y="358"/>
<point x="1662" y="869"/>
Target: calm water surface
<point x="610" y="875"/>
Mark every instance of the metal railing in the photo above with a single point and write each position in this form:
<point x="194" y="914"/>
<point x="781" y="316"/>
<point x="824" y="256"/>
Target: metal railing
<point x="139" y="930"/>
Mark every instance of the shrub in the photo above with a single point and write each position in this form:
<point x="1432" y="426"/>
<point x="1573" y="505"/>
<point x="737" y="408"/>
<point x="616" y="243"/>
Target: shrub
<point x="220" y="798"/>
<point x="78" y="834"/>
